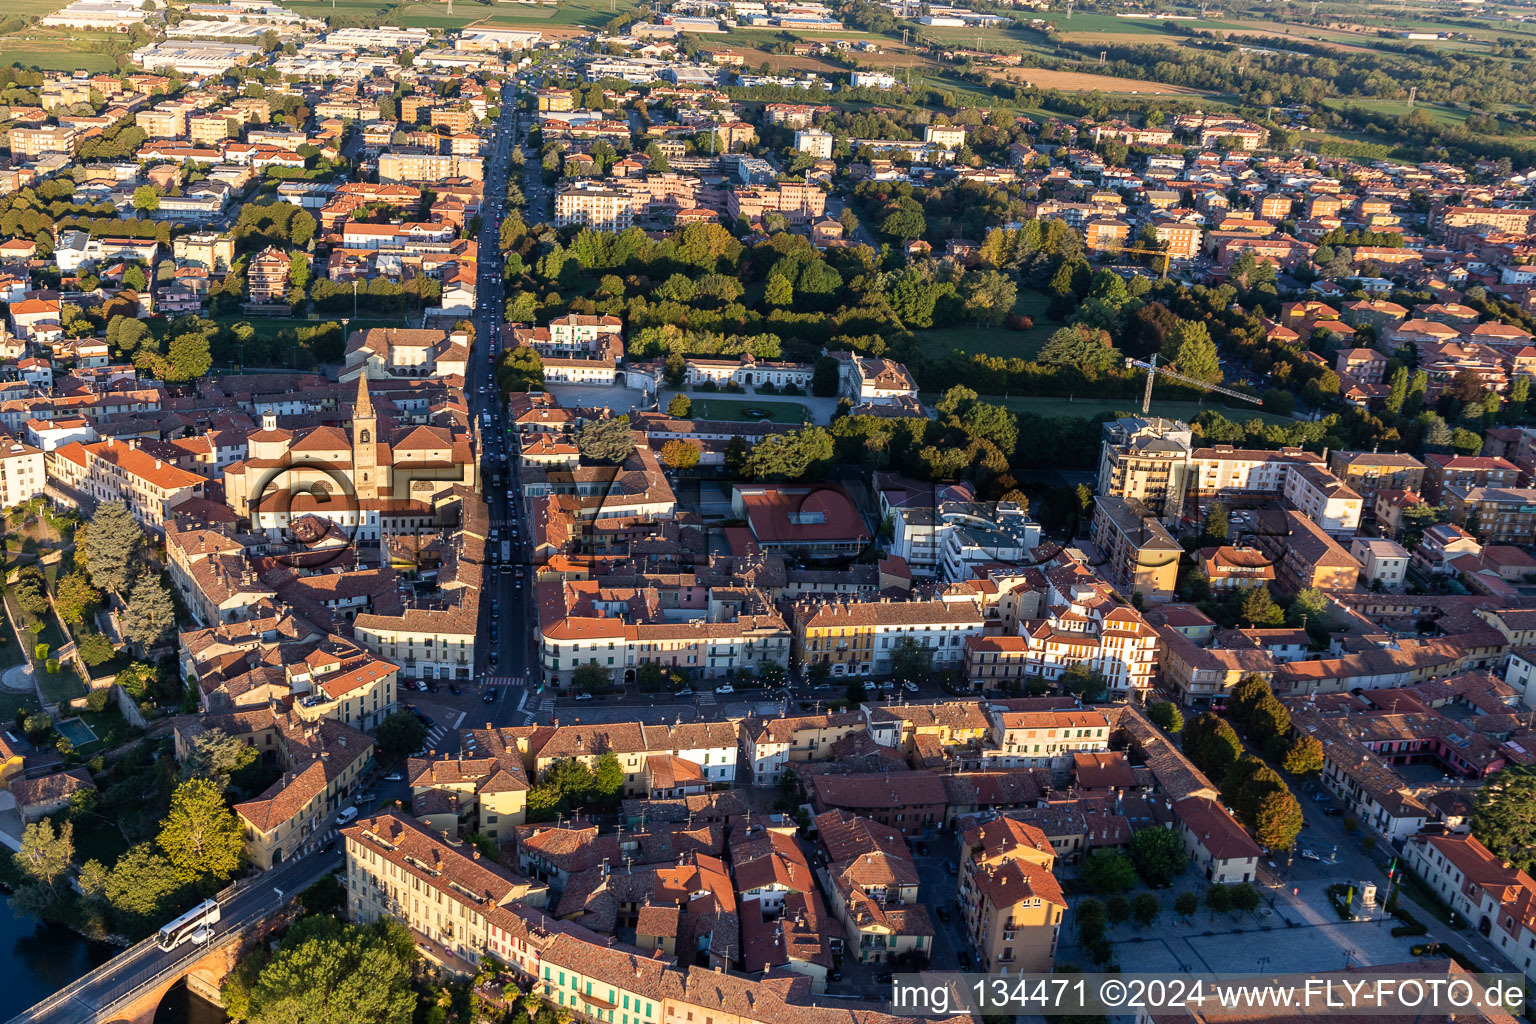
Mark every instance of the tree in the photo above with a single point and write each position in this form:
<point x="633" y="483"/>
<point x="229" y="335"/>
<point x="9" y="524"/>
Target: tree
<point x="825" y="377"/>
<point x="96" y="650"/>
<point x="1185" y="905"/>
<point x="334" y="973"/>
<point x="112" y="546"/>
<point x="150" y="617"/>
<point x="1277" y="820"/>
<point x="146" y="198"/>
<point x="779" y="291"/>
<point x="1086" y="684"/>
<point x="608" y="779"/>
<point x="188" y="356"/>
<point x="1087" y="348"/>
<point x="610" y="441"/>
<point x="794" y="456"/>
<point x="200" y="836"/>
<point x="399" y="736"/>
<point x="1192" y="352"/>
<point x="1504" y="816"/>
<point x="1398" y="392"/>
<point x="1158" y="855"/>
<point x="1218" y="899"/>
<point x="1256" y="608"/>
<point x="1217" y="525"/>
<point x="75" y="598"/>
<point x="215" y="755"/>
<point x="680" y="406"/>
<point x="1117" y="908"/>
<point x="1145" y="908"/>
<point x="1304" y="756"/>
<point x="1212" y="745"/>
<point x="1244" y="898"/>
<point x="680" y="454"/>
<point x="1167" y="716"/>
<point x="910" y="660"/>
<point x="1108" y="871"/>
<point x="591" y="677"/>
<point x="139" y="888"/>
<point x="45" y="856"/>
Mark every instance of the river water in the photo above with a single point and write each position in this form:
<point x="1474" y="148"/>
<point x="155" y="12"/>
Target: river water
<point x="36" y="960"/>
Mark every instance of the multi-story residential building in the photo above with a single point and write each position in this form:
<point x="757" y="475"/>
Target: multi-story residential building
<point x="1369" y="472"/>
<point x="1221" y="849"/>
<point x="913" y="803"/>
<point x="1443" y="473"/>
<point x="1012" y="903"/>
<point x="209" y="250"/>
<point x="1044" y="739"/>
<point x="1303" y="553"/>
<point x="1138" y="552"/>
<point x="1496" y="515"/>
<point x="109" y="471"/>
<point x="31" y="143"/>
<point x="817" y="144"/>
<point x="1383" y="562"/>
<point x="1481" y="890"/>
<point x="267" y="276"/>
<point x="589" y="205"/>
<point x="209" y="129"/>
<point x="443" y="893"/>
<point x="586" y="623"/>
<point x="874" y="888"/>
<point x="800" y="204"/>
<point x="1086" y="626"/>
<point x="1230" y="568"/>
<point x="162" y="124"/>
<point x="23" y="472"/>
<point x="483" y="789"/>
<point x="1148" y="460"/>
<point x="1323" y="498"/>
<point x="860" y="639"/>
<point x="322" y="761"/>
<point x="772" y="744"/>
<point x="712" y="746"/>
<point x="406" y="165"/>
<point x="1224" y="472"/>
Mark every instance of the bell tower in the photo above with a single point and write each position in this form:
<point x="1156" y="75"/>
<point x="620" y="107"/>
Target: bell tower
<point x="365" y="451"/>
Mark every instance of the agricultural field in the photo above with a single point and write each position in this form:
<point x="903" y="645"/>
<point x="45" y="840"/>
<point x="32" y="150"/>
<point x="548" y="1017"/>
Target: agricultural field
<point x="1081" y="81"/>
<point x="58" y="49"/>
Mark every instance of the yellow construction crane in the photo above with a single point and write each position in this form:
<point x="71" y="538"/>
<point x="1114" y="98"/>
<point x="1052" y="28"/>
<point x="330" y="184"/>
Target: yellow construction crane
<point x="1162" y="254"/>
<point x="1153" y="370"/>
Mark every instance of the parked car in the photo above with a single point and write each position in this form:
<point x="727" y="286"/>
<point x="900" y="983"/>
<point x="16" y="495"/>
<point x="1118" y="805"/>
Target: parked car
<point x="951" y="867"/>
<point x="1309" y="855"/>
<point x="453" y="688"/>
<point x="821" y="687"/>
<point x="346" y="815"/>
<point x="727" y="688"/>
<point x="583" y="696"/>
<point x="686" y="691"/>
<point x="964" y="960"/>
<point x="922" y="848"/>
<point x="909" y="687"/>
<point x="1333" y="812"/>
<point x="943" y="912"/>
<point x="394" y="777"/>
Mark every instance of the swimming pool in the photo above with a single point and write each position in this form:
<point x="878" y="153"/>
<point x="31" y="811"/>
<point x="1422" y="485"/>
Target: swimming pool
<point x="76" y="731"/>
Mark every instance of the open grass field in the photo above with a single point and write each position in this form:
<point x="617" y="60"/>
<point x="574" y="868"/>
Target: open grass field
<point x="56" y="50"/>
<point x="1439" y="113"/>
<point x="733" y="410"/>
<point x="1087" y="408"/>
<point x="997" y="341"/>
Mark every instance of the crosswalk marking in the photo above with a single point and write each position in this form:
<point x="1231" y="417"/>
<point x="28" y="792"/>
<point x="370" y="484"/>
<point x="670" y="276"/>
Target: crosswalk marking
<point x="503" y="680"/>
<point x="546" y="705"/>
<point x="706" y="698"/>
